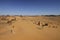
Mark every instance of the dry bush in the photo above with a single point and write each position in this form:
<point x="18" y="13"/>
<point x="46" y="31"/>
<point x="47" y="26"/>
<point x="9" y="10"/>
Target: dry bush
<point x="38" y="23"/>
<point x="46" y="24"/>
<point x="13" y="19"/>
<point x="50" y="15"/>
<point x="9" y="22"/>
<point x="4" y="18"/>
<point x="12" y="26"/>
<point x="54" y="26"/>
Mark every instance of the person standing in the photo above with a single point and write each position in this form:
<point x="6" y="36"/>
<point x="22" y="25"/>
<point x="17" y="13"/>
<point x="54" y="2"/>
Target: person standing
<point x="12" y="30"/>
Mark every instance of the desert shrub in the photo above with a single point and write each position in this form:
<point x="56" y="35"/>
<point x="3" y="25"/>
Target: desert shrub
<point x="38" y="23"/>
<point x="9" y="22"/>
<point x="4" y="18"/>
<point x="50" y="15"/>
<point x="56" y="27"/>
<point x="53" y="26"/>
<point x="12" y="26"/>
<point x="46" y="24"/>
<point x="13" y="19"/>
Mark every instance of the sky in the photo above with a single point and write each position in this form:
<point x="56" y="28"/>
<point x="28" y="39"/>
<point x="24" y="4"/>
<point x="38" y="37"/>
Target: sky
<point x="29" y="7"/>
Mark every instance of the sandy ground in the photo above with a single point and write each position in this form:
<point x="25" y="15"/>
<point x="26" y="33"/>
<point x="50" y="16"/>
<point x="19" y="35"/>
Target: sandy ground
<point x="26" y="28"/>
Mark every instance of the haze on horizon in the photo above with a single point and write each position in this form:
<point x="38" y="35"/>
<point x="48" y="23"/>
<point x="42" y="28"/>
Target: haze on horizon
<point x="29" y="7"/>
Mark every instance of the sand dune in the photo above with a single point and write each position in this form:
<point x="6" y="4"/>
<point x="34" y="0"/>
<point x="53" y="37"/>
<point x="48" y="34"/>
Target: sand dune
<point x="30" y="28"/>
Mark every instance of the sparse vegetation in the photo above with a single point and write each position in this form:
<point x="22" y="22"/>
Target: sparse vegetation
<point x="38" y="23"/>
<point x="46" y="24"/>
<point x="54" y="26"/>
<point x="9" y="22"/>
<point x="50" y="15"/>
<point x="13" y="19"/>
<point x="4" y="18"/>
<point x="29" y="25"/>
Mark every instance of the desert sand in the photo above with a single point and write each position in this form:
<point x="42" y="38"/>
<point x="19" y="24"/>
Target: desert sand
<point x="29" y="28"/>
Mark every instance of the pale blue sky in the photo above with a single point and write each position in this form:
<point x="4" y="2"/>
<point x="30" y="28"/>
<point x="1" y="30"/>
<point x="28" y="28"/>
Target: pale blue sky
<point x="29" y="7"/>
